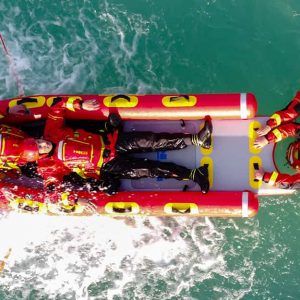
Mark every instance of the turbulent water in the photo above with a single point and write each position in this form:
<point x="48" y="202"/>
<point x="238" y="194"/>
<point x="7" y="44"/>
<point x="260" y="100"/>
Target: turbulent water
<point x="147" y="46"/>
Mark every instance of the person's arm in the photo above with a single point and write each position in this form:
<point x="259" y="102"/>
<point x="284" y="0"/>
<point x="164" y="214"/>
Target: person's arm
<point x="281" y="132"/>
<point x="288" y="114"/>
<point x="277" y="179"/>
<point x="55" y="129"/>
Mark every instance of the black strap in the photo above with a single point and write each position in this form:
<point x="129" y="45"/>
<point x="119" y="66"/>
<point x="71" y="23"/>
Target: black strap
<point x="114" y="98"/>
<point x="122" y="210"/>
<point x="176" y="98"/>
<point x="26" y="100"/>
<point x="181" y="211"/>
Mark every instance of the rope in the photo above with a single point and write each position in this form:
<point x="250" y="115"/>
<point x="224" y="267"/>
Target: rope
<point x="13" y="70"/>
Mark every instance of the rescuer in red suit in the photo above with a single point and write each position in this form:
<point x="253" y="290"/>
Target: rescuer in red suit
<point x="16" y="150"/>
<point x="278" y="127"/>
<point x="99" y="160"/>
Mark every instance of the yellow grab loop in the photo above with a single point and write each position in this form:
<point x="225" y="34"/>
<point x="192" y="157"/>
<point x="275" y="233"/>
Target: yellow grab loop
<point x="125" y="101"/>
<point x="70" y="102"/>
<point x="122" y="208"/>
<point x="181" y="208"/>
<point x="31" y="102"/>
<point x="66" y="207"/>
<point x="179" y="101"/>
<point x="254" y="125"/>
<point x="254" y="160"/>
<point x="28" y="205"/>
<point x="206" y="160"/>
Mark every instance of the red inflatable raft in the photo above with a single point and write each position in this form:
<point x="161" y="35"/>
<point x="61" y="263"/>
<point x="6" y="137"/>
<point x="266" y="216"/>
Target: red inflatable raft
<point x="229" y="196"/>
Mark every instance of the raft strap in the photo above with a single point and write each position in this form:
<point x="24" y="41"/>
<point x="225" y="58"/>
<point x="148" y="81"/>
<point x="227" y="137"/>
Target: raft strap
<point x="181" y="211"/>
<point x="176" y="98"/>
<point x="115" y="98"/>
<point x="256" y="167"/>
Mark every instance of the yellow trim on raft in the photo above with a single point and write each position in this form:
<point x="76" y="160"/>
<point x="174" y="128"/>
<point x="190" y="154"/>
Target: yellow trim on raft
<point x="28" y="205"/>
<point x="41" y="100"/>
<point x="252" y="136"/>
<point x="122" y="102"/>
<point x="254" y="160"/>
<point x="122" y="208"/>
<point x="181" y="208"/>
<point x="208" y="160"/>
<point x="179" y="101"/>
<point x="39" y="207"/>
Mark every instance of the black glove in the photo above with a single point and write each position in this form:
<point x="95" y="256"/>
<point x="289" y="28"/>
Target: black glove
<point x="110" y="187"/>
<point x="51" y="187"/>
<point x="30" y="170"/>
<point x="114" y="122"/>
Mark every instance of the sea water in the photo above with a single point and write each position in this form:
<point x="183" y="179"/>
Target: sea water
<point x="148" y="46"/>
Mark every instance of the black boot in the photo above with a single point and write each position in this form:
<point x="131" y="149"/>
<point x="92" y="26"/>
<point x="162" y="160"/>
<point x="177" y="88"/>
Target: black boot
<point x="203" y="137"/>
<point x="200" y="176"/>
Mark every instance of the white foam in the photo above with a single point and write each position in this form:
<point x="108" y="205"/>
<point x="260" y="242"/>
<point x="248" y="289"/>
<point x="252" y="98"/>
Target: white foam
<point x="66" y="255"/>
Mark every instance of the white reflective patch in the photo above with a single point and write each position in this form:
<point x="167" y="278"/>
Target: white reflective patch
<point x="243" y="106"/>
<point x="245" y="205"/>
<point x="59" y="151"/>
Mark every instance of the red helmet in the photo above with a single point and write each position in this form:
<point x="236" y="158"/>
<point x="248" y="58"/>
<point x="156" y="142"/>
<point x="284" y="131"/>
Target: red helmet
<point x="30" y="150"/>
<point x="293" y="156"/>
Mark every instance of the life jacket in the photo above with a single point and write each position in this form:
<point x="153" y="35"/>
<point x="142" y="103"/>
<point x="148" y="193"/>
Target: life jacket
<point x="79" y="156"/>
<point x="293" y="155"/>
<point x="11" y="140"/>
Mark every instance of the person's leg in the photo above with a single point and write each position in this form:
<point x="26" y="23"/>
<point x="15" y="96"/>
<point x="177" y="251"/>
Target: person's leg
<point x="135" y="168"/>
<point x="131" y="142"/>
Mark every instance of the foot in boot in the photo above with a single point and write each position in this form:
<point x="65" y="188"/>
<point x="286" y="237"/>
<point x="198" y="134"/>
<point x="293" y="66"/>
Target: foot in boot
<point x="203" y="137"/>
<point x="200" y="176"/>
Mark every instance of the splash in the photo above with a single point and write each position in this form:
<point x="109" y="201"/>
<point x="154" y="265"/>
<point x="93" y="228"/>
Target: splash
<point x="103" y="258"/>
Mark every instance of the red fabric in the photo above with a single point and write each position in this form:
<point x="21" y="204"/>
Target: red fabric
<point x="282" y="179"/>
<point x="30" y="151"/>
<point x="286" y="130"/>
<point x="56" y="131"/>
<point x="11" y="143"/>
<point x="288" y="114"/>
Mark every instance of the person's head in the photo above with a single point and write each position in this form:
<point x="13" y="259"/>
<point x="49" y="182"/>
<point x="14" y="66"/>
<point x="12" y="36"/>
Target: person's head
<point x="33" y="149"/>
<point x="44" y="147"/>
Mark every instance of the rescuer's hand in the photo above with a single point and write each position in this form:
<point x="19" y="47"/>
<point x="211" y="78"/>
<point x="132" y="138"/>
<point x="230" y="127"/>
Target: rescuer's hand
<point x="259" y="174"/>
<point x="260" y="142"/>
<point x="88" y="205"/>
<point x="263" y="131"/>
<point x="90" y="105"/>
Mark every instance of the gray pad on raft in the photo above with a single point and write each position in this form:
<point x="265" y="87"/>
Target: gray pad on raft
<point x="230" y="156"/>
